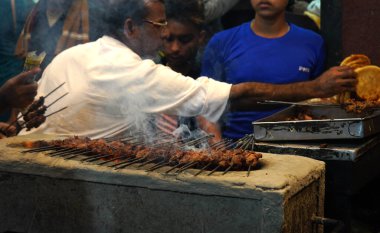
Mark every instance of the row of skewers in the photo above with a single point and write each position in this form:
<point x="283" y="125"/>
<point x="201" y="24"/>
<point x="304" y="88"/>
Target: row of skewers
<point x="222" y="156"/>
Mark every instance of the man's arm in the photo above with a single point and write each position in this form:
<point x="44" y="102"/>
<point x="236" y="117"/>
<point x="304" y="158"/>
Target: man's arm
<point x="244" y="96"/>
<point x="210" y="128"/>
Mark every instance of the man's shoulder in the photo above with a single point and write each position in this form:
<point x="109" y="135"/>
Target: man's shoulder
<point x="76" y="52"/>
<point x="95" y="51"/>
<point x="306" y="34"/>
<point x="231" y="33"/>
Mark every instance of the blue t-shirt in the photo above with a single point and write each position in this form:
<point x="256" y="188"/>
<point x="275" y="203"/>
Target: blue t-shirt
<point x="239" y="55"/>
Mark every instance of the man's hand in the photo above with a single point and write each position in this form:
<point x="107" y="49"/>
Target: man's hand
<point x="18" y="92"/>
<point x="6" y="130"/>
<point x="335" y="80"/>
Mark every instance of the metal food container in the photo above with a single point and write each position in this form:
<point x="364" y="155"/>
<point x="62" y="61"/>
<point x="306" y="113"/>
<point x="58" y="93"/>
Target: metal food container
<point x="338" y="125"/>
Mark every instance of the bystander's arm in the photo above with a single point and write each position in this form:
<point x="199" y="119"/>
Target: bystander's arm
<point x="210" y="128"/>
<point x="6" y="130"/>
<point x="18" y="92"/>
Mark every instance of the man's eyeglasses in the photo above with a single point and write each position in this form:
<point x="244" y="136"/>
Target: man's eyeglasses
<point x="157" y="24"/>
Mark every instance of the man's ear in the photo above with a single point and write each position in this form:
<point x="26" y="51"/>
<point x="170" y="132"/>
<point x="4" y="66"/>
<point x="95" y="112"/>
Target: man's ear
<point x="129" y="28"/>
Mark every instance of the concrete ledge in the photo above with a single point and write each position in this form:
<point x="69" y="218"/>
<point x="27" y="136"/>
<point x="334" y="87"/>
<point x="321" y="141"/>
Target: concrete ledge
<point x="39" y="193"/>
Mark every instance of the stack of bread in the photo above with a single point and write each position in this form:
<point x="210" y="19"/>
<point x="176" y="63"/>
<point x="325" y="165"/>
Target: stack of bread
<point x="368" y="77"/>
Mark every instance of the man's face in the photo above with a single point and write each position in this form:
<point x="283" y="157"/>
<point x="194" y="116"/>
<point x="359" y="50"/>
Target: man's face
<point x="269" y="8"/>
<point x="181" y="42"/>
<point x="152" y="29"/>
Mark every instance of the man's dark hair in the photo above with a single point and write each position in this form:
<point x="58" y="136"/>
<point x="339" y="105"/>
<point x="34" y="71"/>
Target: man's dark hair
<point x="119" y="10"/>
<point x="186" y="11"/>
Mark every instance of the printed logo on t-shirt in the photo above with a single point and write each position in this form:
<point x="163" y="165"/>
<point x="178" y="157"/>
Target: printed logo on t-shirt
<point x="304" y="69"/>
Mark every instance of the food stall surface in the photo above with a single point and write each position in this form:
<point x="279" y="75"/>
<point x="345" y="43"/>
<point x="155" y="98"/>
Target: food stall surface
<point x="39" y="193"/>
<point x="351" y="165"/>
<point x="349" y="143"/>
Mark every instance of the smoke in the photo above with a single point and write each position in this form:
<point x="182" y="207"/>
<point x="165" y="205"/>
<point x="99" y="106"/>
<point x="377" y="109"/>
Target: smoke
<point x="183" y="132"/>
<point x="144" y="124"/>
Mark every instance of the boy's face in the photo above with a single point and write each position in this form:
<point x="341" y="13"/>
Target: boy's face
<point x="181" y="42"/>
<point x="269" y="8"/>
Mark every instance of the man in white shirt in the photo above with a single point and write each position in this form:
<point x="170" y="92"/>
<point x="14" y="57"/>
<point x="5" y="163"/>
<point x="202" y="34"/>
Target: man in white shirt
<point x="113" y="85"/>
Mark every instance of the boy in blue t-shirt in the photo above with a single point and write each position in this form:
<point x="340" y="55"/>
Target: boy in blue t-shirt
<point x="267" y="49"/>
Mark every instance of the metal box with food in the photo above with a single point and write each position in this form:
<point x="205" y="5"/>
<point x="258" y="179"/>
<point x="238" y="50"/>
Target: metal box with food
<point x="318" y="123"/>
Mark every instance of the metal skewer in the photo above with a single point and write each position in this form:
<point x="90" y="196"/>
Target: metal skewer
<point x="148" y="161"/>
<point x="68" y="152"/>
<point x="130" y="163"/>
<point x="213" y="170"/>
<point x="113" y="159"/>
<point x="198" y="140"/>
<point x="25" y="123"/>
<point x="56" y="112"/>
<point x="22" y="115"/>
<point x="202" y="169"/>
<point x="249" y="170"/>
<point x="123" y="162"/>
<point x="297" y="103"/>
<point x="229" y="168"/>
<point x="174" y="167"/>
<point x="63" y="149"/>
<point x="55" y="101"/>
<point x="40" y="149"/>
<point x="158" y="165"/>
<point x="94" y="158"/>
<point x="51" y="92"/>
<point x="220" y="143"/>
<point x="189" y="165"/>
<point x="77" y="154"/>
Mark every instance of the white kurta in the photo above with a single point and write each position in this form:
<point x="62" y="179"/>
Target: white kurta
<point x="111" y="89"/>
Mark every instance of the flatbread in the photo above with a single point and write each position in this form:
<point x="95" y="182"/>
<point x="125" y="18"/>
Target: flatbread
<point x="354" y="61"/>
<point x="368" y="87"/>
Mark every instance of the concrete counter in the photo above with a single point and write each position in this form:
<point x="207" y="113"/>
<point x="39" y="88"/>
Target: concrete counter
<point x="39" y="193"/>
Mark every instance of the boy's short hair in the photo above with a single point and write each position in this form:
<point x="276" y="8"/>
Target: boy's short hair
<point x="186" y="11"/>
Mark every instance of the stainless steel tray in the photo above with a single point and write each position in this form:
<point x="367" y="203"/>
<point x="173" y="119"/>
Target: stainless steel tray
<point x="348" y="150"/>
<point x="339" y="125"/>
